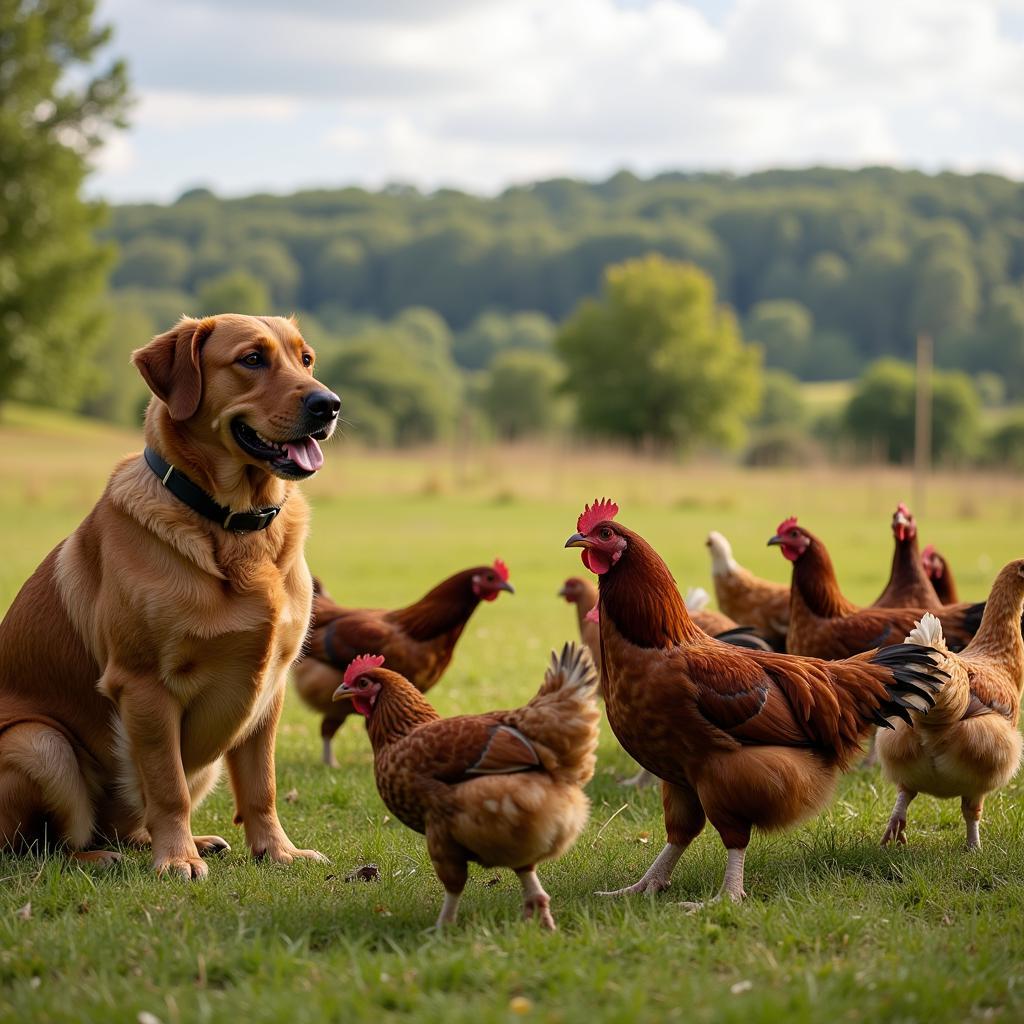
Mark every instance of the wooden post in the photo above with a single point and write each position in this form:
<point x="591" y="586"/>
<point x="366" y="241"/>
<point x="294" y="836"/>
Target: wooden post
<point x="922" y="423"/>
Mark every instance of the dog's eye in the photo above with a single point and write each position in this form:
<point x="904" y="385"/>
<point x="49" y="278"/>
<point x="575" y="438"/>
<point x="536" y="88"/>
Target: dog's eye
<point x="307" y="359"/>
<point x="252" y="359"/>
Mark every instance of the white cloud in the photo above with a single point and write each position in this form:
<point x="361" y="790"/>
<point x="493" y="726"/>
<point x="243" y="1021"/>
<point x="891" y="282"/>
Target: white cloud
<point x="482" y="93"/>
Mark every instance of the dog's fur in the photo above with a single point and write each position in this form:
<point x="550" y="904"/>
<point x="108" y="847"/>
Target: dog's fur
<point x="152" y="644"/>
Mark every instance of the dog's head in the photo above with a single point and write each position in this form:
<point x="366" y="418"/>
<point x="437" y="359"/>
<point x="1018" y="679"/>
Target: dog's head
<point x="245" y="382"/>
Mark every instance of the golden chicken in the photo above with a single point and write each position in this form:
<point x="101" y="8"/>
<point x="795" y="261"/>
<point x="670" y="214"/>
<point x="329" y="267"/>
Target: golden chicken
<point x="503" y="789"/>
<point x="968" y="744"/>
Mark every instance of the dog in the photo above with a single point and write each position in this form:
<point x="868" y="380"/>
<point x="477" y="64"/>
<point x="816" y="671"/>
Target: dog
<point x="153" y="643"/>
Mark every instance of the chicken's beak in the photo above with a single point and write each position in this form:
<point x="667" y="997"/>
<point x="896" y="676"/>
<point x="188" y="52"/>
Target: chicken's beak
<point x="343" y="693"/>
<point x="776" y="541"/>
<point x="562" y="592"/>
<point x="577" y="540"/>
<point x="505" y="585"/>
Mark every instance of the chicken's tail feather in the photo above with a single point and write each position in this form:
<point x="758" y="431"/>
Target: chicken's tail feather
<point x="952" y="700"/>
<point x="697" y="599"/>
<point x="744" y="636"/>
<point x="916" y="680"/>
<point x="562" y="719"/>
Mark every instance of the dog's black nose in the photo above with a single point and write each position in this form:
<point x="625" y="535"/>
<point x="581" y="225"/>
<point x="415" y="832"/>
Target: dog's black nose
<point x="324" y="405"/>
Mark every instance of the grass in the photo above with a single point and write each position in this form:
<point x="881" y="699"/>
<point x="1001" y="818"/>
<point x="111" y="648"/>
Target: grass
<point x="835" y="928"/>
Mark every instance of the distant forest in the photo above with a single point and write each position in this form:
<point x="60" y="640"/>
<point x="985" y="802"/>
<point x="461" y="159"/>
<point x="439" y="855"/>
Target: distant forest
<point x="827" y="269"/>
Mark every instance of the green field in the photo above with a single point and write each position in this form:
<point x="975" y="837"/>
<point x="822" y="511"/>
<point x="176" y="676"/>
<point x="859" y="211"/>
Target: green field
<point x="835" y="928"/>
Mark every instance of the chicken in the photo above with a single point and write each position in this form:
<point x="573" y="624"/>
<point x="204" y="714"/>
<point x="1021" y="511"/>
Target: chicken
<point x="503" y="789"/>
<point x="418" y="641"/>
<point x="740" y="738"/>
<point x="757" y="603"/>
<point x="968" y="745"/>
<point x="909" y="585"/>
<point x="940" y="574"/>
<point x="583" y="594"/>
<point x="824" y="624"/>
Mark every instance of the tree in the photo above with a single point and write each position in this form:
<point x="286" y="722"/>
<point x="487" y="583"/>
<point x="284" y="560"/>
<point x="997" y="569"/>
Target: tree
<point x="519" y="395"/>
<point x="54" y="113"/>
<point x="234" y="292"/>
<point x="783" y="329"/>
<point x="656" y="359"/>
<point x="152" y="262"/>
<point x="880" y="414"/>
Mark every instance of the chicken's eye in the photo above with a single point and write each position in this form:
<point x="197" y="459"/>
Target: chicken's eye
<point x="606" y="533"/>
<point x="490" y="577"/>
<point x="361" y="684"/>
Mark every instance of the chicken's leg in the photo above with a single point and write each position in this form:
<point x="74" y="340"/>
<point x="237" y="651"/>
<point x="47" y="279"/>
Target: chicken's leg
<point x="684" y="819"/>
<point x="328" y="727"/>
<point x="535" y="898"/>
<point x="732" y="883"/>
<point x="970" y="807"/>
<point x="449" y="860"/>
<point x="897" y="827"/>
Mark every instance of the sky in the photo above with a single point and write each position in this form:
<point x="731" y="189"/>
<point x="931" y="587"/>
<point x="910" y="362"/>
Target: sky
<point x="246" y="96"/>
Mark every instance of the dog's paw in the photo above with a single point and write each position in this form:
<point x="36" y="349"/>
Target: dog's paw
<point x="207" y="845"/>
<point x="284" y="852"/>
<point x="181" y="866"/>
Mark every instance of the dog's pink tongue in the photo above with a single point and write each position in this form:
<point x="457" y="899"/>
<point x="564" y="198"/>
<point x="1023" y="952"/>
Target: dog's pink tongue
<point x="305" y="454"/>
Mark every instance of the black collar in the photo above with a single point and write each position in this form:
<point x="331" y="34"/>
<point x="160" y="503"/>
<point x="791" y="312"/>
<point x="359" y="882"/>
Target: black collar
<point x="199" y="501"/>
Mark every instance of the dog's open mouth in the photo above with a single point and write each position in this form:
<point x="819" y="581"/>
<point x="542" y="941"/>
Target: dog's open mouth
<point x="298" y="457"/>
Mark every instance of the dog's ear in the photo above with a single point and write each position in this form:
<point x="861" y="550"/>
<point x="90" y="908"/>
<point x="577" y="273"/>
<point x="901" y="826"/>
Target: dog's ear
<point x="171" y="366"/>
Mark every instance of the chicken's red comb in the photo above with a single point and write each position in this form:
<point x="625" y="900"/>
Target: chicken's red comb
<point x="602" y="509"/>
<point x="357" y="666"/>
<point x="501" y="570"/>
<point x="928" y="553"/>
<point x="901" y="509"/>
<point x="786" y="524"/>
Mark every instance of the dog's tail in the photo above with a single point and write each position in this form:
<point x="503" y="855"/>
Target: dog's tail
<point x="45" y="757"/>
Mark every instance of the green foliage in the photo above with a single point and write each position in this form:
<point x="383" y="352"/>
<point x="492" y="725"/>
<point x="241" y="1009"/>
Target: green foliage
<point x="656" y="359"/>
<point x="783" y="329"/>
<point x="880" y="415"/>
<point x="782" y="401"/>
<point x="55" y="109"/>
<point x="519" y="396"/>
<point x="235" y="292"/>
<point x="1005" y="447"/>
<point x="491" y="333"/>
<point x="870" y="256"/>
<point x="397" y="381"/>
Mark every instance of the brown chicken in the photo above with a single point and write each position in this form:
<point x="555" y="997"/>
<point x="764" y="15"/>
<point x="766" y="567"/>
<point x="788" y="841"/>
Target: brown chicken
<point x="824" y="624"/>
<point x="940" y="575"/>
<point x="740" y="738"/>
<point x="503" y="789"/>
<point x="968" y="745"/>
<point x="909" y="585"/>
<point x="418" y="641"/>
<point x="760" y="604"/>
<point x="583" y="594"/>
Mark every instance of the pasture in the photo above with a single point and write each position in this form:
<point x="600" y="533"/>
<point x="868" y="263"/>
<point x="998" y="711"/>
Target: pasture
<point x="835" y="927"/>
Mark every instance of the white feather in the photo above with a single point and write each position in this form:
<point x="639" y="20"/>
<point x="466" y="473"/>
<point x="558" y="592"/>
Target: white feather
<point x="927" y="632"/>
<point x="697" y="599"/>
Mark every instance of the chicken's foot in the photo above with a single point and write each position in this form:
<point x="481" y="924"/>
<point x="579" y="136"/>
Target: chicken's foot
<point x="328" y="755"/>
<point x="732" y="883"/>
<point x="535" y="899"/>
<point x="897" y="827"/>
<point x="657" y="877"/>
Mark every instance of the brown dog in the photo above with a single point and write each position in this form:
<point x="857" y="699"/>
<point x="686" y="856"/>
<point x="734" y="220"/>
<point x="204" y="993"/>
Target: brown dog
<point x="154" y="641"/>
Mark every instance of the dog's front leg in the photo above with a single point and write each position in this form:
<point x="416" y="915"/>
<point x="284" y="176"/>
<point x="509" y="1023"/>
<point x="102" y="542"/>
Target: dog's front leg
<point x="152" y="723"/>
<point x="254" y="782"/>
